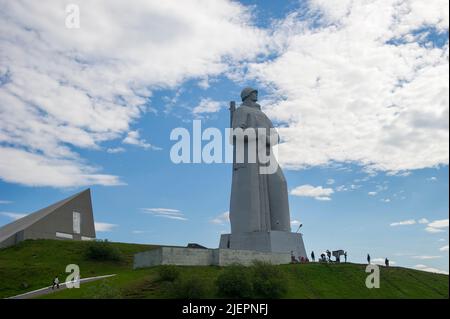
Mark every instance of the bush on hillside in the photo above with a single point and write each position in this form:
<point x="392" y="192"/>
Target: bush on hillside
<point x="193" y="287"/>
<point x="168" y="273"/>
<point x="102" y="251"/>
<point x="268" y="281"/>
<point x="235" y="282"/>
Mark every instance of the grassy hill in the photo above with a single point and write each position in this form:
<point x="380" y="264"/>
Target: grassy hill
<point x="33" y="264"/>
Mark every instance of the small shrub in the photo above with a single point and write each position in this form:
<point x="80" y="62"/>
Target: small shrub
<point x="268" y="281"/>
<point x="192" y="287"/>
<point x="168" y="273"/>
<point x="102" y="251"/>
<point x="235" y="282"/>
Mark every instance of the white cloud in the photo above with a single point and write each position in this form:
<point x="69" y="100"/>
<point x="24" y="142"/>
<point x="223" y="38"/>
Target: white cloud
<point x="433" y="230"/>
<point x="442" y="223"/>
<point x="426" y="257"/>
<point x="430" y="269"/>
<point x="35" y="169"/>
<point x="295" y="222"/>
<point x="133" y="138"/>
<point x="404" y="222"/>
<point x="104" y="227"/>
<point x="321" y="198"/>
<point x="139" y="232"/>
<point x="444" y="248"/>
<point x="399" y="173"/>
<point x="171" y="217"/>
<point x="13" y="216"/>
<point x="222" y="219"/>
<point x="204" y="83"/>
<point x="402" y="254"/>
<point x="346" y="93"/>
<point x="169" y="213"/>
<point x="317" y="192"/>
<point x="5" y="202"/>
<point x="432" y="179"/>
<point x="381" y="261"/>
<point x="372" y="193"/>
<point x="381" y="187"/>
<point x="437" y="226"/>
<point x="65" y="89"/>
<point x="341" y="188"/>
<point x="385" y="200"/>
<point x="413" y="222"/>
<point x="115" y="150"/>
<point x="330" y="181"/>
<point x="207" y="106"/>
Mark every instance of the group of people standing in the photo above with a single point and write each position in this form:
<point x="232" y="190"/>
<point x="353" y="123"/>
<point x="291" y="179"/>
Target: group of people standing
<point x="300" y="259"/>
<point x="326" y="257"/>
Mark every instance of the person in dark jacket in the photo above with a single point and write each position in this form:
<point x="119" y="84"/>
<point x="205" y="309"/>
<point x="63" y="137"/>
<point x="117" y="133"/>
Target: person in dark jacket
<point x="55" y="283"/>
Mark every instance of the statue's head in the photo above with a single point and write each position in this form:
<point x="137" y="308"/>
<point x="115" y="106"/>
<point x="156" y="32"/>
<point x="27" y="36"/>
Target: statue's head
<point x="249" y="93"/>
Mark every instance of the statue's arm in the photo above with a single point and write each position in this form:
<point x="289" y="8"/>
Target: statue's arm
<point x="240" y="119"/>
<point x="243" y="126"/>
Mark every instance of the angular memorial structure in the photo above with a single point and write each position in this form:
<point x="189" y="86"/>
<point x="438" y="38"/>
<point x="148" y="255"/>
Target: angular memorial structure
<point x="71" y="218"/>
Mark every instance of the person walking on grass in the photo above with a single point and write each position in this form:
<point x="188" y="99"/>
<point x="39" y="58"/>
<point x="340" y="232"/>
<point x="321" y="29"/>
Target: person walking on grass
<point x="368" y="259"/>
<point x="55" y="283"/>
<point x="345" y="256"/>
<point x="386" y="262"/>
<point x="313" y="257"/>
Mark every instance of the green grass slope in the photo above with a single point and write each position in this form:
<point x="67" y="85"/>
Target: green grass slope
<point x="33" y="264"/>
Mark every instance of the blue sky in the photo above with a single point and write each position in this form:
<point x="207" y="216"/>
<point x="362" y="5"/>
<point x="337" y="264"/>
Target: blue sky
<point x="359" y="93"/>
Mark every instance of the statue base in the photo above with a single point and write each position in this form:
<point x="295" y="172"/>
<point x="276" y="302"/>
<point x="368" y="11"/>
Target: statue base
<point x="270" y="241"/>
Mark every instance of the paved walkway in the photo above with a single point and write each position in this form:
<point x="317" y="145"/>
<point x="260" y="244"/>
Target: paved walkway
<point x="49" y="290"/>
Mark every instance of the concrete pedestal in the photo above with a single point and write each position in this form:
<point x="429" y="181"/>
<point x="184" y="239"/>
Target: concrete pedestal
<point x="205" y="257"/>
<point x="271" y="241"/>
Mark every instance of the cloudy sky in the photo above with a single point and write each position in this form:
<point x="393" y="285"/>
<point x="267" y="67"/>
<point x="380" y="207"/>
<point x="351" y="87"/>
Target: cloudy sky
<point x="358" y="89"/>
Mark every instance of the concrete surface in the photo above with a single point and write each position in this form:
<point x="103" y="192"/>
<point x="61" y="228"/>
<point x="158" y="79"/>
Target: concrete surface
<point x="205" y="257"/>
<point x="270" y="241"/>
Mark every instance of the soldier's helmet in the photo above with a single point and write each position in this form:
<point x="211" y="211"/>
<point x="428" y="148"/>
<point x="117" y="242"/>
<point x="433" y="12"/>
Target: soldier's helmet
<point x="246" y="92"/>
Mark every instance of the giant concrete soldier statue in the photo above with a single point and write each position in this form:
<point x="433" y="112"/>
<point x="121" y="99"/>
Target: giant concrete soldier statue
<point x="259" y="201"/>
<point x="259" y="208"/>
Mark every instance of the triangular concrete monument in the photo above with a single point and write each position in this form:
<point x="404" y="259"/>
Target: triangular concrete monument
<point x="70" y="218"/>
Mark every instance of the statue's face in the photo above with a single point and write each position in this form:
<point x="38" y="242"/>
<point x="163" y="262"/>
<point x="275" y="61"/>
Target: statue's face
<point x="253" y="96"/>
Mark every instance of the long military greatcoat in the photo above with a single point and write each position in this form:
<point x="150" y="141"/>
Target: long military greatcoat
<point x="259" y="202"/>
